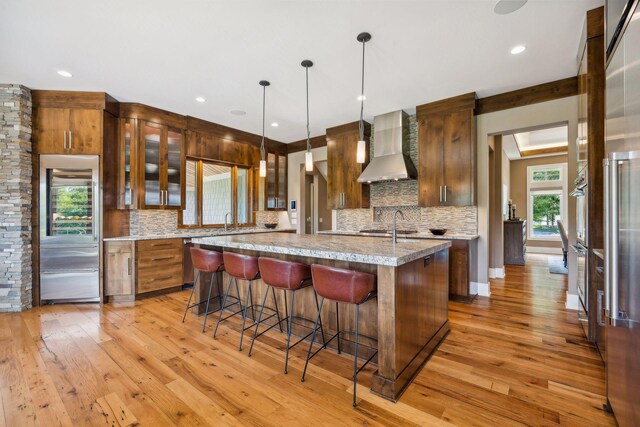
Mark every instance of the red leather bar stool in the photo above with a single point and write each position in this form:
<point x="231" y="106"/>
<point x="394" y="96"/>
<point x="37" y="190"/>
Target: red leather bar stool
<point x="347" y="287"/>
<point x="243" y="267"/>
<point x="205" y="261"/>
<point x="288" y="276"/>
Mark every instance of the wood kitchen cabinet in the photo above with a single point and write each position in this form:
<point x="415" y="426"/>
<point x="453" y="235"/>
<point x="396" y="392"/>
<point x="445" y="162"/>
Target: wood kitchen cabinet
<point x="67" y="131"/>
<point x="141" y="268"/>
<point x="447" y="152"/>
<point x="276" y="182"/>
<point x="151" y="158"/>
<point x="343" y="189"/>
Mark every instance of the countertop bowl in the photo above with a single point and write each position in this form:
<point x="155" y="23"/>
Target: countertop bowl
<point x="271" y="225"/>
<point x="438" y="231"/>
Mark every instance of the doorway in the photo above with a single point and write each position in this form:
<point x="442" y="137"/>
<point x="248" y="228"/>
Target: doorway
<point x="314" y="211"/>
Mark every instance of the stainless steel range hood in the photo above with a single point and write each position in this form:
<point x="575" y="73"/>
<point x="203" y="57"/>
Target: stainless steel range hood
<point x="390" y="160"/>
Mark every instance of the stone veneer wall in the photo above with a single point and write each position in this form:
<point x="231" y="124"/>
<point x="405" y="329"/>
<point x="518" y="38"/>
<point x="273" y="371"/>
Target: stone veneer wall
<point x="15" y="198"/>
<point x="387" y="197"/>
<point x="159" y="222"/>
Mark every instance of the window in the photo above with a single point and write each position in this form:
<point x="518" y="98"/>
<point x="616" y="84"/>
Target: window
<point x="214" y="189"/>
<point x="547" y="200"/>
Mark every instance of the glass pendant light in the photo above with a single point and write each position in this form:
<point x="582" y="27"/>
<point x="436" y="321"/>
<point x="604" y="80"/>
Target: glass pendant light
<point x="308" y="156"/>
<point x="263" y="161"/>
<point x="362" y="145"/>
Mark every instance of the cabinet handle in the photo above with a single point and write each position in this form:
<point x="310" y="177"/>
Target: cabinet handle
<point x="161" y="258"/>
<point x="157" y="279"/>
<point x="65" y="139"/>
<point x="599" y="315"/>
<point x="445" y="193"/>
<point x="70" y="141"/>
<point x="129" y="266"/>
<point x="441" y="194"/>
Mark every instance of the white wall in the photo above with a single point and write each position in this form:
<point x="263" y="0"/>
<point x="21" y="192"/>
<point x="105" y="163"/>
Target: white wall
<point x="294" y="162"/>
<point x="563" y="110"/>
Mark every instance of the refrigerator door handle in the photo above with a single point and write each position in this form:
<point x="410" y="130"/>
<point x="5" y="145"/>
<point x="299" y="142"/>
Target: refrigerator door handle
<point x="612" y="255"/>
<point x="599" y="313"/>
<point x="607" y="244"/>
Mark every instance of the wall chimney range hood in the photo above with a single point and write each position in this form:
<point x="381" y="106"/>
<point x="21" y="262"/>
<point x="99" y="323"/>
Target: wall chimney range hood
<point x="390" y="161"/>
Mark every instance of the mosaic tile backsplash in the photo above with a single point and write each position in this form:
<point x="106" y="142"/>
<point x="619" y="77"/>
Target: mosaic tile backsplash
<point x="387" y="197"/>
<point x="157" y="222"/>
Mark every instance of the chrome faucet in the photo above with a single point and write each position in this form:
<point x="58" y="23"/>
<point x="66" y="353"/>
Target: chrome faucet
<point x="228" y="214"/>
<point x="395" y="234"/>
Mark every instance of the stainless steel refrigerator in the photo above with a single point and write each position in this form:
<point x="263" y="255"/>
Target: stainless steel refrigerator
<point x="69" y="228"/>
<point x="622" y="225"/>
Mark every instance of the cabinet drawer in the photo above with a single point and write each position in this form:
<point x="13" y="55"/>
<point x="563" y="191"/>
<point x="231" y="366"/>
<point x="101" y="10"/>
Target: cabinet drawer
<point x="153" y="245"/>
<point x="159" y="258"/>
<point x="154" y="279"/>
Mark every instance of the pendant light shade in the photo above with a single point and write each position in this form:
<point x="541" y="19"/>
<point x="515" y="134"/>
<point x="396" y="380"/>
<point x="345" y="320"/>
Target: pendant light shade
<point x="263" y="160"/>
<point x="308" y="157"/>
<point x="361" y="149"/>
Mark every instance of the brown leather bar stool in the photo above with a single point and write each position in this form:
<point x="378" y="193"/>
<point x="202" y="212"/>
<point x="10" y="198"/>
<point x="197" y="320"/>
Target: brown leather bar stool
<point x="288" y="276"/>
<point x="205" y="261"/>
<point x="348" y="287"/>
<point x="243" y="267"/>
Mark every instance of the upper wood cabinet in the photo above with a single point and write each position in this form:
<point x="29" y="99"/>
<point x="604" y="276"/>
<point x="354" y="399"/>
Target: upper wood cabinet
<point x="276" y="182"/>
<point x="70" y="122"/>
<point x="67" y="131"/>
<point x="447" y="152"/>
<point x="343" y="189"/>
<point x="152" y="157"/>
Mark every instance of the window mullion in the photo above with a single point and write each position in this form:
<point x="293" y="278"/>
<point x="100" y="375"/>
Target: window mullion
<point x="199" y="189"/>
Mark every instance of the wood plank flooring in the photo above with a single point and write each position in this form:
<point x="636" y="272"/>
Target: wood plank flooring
<point x="517" y="358"/>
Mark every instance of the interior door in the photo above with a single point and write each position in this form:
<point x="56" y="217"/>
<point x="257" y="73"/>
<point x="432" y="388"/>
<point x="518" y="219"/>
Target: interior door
<point x="50" y="130"/>
<point x="85" y="131"/>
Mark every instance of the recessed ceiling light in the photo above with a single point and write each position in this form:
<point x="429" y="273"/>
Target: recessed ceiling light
<point x="200" y="99"/>
<point x="275" y="125"/>
<point x="64" y="73"/>
<point x="362" y="97"/>
<point x="505" y="7"/>
<point x="238" y="112"/>
<point x="517" y="49"/>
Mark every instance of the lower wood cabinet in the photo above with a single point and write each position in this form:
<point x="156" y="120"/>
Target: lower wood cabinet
<point x="135" y="268"/>
<point x="515" y="242"/>
<point x="461" y="255"/>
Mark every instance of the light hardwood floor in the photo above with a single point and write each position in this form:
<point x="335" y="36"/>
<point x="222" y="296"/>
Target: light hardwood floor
<point x="517" y="358"/>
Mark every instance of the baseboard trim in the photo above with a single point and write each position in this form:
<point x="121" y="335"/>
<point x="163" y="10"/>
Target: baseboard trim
<point x="542" y="250"/>
<point x="484" y="289"/>
<point x="573" y="302"/>
<point x="496" y="273"/>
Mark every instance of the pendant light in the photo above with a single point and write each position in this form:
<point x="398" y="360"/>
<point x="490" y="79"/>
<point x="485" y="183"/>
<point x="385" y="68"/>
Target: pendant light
<point x="308" y="156"/>
<point x="263" y="160"/>
<point x="362" y="145"/>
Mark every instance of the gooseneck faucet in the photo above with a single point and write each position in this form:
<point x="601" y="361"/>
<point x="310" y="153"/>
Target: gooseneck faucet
<point x="228" y="214"/>
<point x="395" y="216"/>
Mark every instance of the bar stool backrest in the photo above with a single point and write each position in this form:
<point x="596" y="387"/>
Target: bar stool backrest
<point x="205" y="260"/>
<point x="342" y="285"/>
<point x="241" y="266"/>
<point x="283" y="274"/>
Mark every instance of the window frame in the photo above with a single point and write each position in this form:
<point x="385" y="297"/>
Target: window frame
<point x="547" y="187"/>
<point x="233" y="192"/>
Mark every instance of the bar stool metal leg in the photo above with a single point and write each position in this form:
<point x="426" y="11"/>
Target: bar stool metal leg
<point x="224" y="304"/>
<point x="191" y="295"/>
<point x="286" y="357"/>
<point x="275" y="303"/>
<point x="313" y="338"/>
<point x="245" y="312"/>
<point x="206" y="310"/>
<point x="315" y="296"/>
<point x="255" y="331"/>
<point x="355" y="358"/>
<point x="338" y="327"/>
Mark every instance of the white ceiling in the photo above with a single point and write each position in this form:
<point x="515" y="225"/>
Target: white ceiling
<point x="514" y="144"/>
<point x="165" y="53"/>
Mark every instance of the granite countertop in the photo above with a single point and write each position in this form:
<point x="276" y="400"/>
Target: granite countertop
<point x="408" y="236"/>
<point x="599" y="253"/>
<point x="366" y="250"/>
<point x="191" y="235"/>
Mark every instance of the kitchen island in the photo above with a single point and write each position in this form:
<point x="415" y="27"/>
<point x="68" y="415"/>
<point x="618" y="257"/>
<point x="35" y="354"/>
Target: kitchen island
<point x="409" y="318"/>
